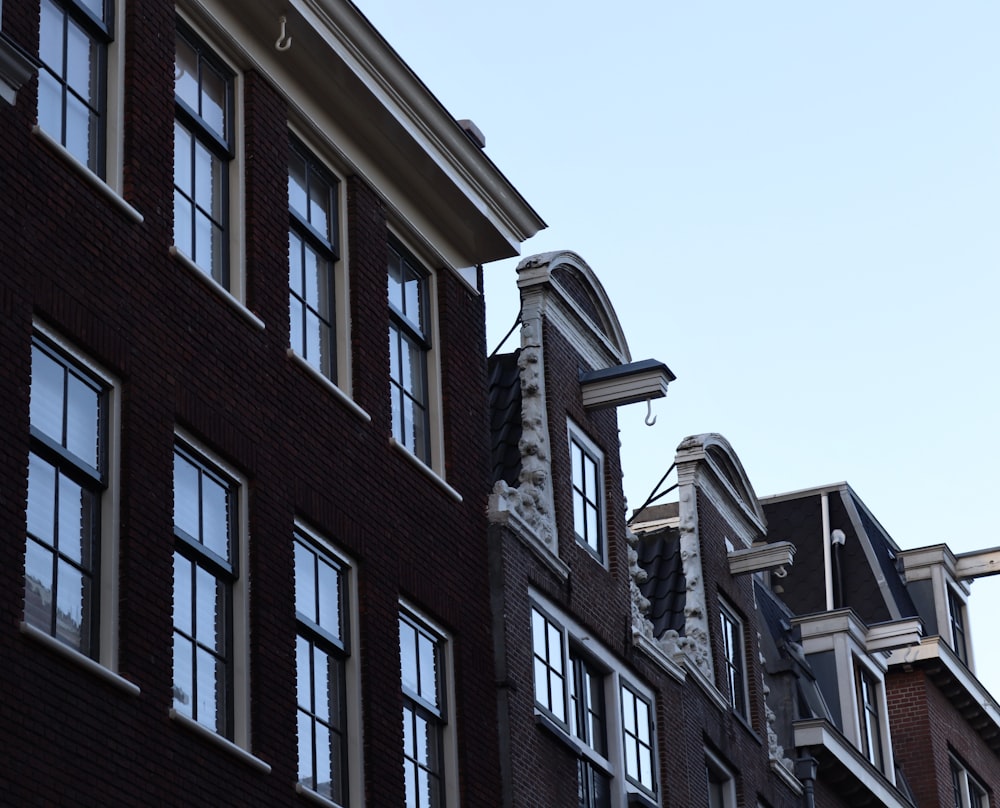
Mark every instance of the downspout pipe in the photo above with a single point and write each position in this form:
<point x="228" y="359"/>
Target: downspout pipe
<point x="805" y="770"/>
<point x="827" y="561"/>
<point x="837" y="539"/>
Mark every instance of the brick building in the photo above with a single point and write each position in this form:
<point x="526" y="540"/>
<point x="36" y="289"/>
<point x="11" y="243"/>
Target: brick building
<point x="245" y="445"/>
<point x="278" y="534"/>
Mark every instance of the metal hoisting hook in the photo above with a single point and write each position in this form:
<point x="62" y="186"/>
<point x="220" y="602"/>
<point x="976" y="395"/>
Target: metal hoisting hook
<point x="650" y="418"/>
<point x="284" y="42"/>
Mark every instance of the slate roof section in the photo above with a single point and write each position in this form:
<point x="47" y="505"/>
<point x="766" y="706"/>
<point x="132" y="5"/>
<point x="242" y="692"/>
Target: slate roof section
<point x="666" y="586"/>
<point x="505" y="417"/>
<point x="885" y="550"/>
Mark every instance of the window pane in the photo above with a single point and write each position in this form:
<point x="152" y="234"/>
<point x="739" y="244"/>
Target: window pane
<point x="321" y="680"/>
<point x="41" y="500"/>
<point x="183" y="676"/>
<point x="208" y="597"/>
<point x="47" y="377"/>
<point x="186" y="497"/>
<point x="329" y="598"/>
<point x="186" y="74"/>
<point x="71" y="607"/>
<point x="213" y="99"/>
<point x="215" y="516"/>
<point x="82" y="413"/>
<point x="320" y="207"/>
<point x="183" y="617"/>
<point x="80" y="61"/>
<point x="206" y="179"/>
<point x="408" y="657"/>
<point x="306" y="751"/>
<point x="428" y="670"/>
<point x="38" y="574"/>
<point x="297" y="198"/>
<point x="50" y="41"/>
<point x="305" y="582"/>
<point x="211" y="691"/>
<point x="71" y="515"/>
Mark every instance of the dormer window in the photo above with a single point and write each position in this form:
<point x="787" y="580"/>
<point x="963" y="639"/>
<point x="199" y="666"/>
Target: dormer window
<point x="956" y="619"/>
<point x="868" y="694"/>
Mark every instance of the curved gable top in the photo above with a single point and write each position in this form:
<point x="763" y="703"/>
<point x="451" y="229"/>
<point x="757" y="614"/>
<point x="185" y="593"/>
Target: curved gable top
<point x="577" y="285"/>
<point x="714" y="450"/>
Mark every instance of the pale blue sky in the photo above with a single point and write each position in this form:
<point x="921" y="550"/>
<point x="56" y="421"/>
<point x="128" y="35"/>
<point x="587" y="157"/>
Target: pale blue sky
<point x="792" y="204"/>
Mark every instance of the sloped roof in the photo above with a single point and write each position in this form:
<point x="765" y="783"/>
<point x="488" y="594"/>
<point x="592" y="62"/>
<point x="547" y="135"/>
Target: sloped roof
<point x="665" y="586"/>
<point x="505" y="417"/>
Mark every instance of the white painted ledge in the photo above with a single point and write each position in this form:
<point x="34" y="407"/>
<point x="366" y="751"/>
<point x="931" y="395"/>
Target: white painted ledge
<point x="218" y="740"/>
<point x="77" y="658"/>
<point x="314" y="797"/>
<point x="216" y="287"/>
<point x="96" y="182"/>
<point x="339" y="394"/>
<point x="426" y="470"/>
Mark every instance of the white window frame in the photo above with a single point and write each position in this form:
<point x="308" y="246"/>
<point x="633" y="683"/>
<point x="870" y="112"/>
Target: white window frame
<point x="354" y="772"/>
<point x="576" y="642"/>
<point x="234" y="215"/>
<point x="734" y="661"/>
<point x="958" y="614"/>
<point x="340" y="309"/>
<point x="577" y="441"/>
<point x="239" y="598"/>
<point x="446" y="685"/>
<point x="862" y="671"/>
<point x="108" y="177"/>
<point x="716" y="770"/>
<point x="435" y="460"/>
<point x="971" y="791"/>
<point x="105" y="657"/>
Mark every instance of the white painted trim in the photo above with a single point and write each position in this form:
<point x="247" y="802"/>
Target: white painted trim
<point x="656" y="654"/>
<point x="110" y="500"/>
<point x="315" y="797"/>
<point x="818" y="732"/>
<point x="447" y="685"/>
<point x="353" y="680"/>
<point x="575" y="434"/>
<point x="332" y="388"/>
<point x="95" y="182"/>
<point x="216" y="287"/>
<point x="507" y="507"/>
<point x="217" y="740"/>
<point x="77" y="658"/>
<point x="426" y="470"/>
<point x="240" y="592"/>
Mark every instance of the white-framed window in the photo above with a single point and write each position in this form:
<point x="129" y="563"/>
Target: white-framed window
<point x="549" y="653"/>
<point x="967" y="789"/>
<point x="327" y="687"/>
<point x="205" y="152"/>
<point x="587" y="464"/>
<point x="581" y="691"/>
<point x="410" y="331"/>
<point x="957" y="625"/>
<point x="75" y="38"/>
<point x="429" y="765"/>
<point x="721" y="782"/>
<point x="70" y="559"/>
<point x="637" y="733"/>
<point x="210" y="648"/>
<point x="734" y="659"/>
<point x="868" y="692"/>
<point x="314" y="279"/>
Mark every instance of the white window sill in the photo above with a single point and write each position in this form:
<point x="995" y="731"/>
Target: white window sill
<point x="218" y="740"/>
<point x="339" y="394"/>
<point x="217" y="287"/>
<point x="98" y="184"/>
<point x="77" y="658"/>
<point x="425" y="469"/>
<point x="314" y="797"/>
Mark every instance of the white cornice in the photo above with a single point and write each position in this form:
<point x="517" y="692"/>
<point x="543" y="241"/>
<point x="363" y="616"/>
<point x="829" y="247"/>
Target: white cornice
<point x="16" y="67"/>
<point x="761" y="557"/>
<point x="345" y="79"/>
<point x="820" y="733"/>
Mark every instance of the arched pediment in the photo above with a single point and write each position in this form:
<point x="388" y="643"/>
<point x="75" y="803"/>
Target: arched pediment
<point x="718" y="454"/>
<point x="578" y="287"/>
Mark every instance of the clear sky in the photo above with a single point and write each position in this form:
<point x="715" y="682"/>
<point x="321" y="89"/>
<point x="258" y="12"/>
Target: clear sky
<point x="792" y="204"/>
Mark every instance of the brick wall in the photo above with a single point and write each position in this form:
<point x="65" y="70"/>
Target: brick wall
<point x="188" y="359"/>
